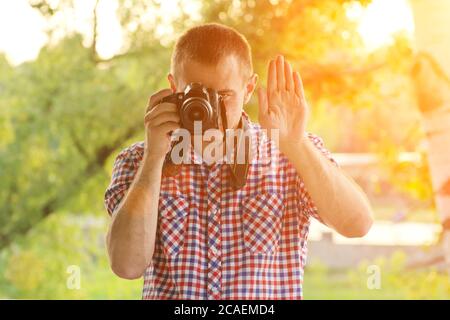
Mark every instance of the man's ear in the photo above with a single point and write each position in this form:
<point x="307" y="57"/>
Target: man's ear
<point x="172" y="83"/>
<point x="250" y="87"/>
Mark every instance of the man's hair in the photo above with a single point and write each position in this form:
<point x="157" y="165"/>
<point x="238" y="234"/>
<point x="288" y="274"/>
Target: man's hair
<point x="209" y="44"/>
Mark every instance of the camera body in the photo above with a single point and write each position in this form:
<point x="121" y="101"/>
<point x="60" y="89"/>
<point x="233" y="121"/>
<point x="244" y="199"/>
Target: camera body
<point x="197" y="103"/>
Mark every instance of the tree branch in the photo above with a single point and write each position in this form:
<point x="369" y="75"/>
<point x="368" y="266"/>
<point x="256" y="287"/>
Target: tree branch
<point x="93" y="167"/>
<point x="94" y="31"/>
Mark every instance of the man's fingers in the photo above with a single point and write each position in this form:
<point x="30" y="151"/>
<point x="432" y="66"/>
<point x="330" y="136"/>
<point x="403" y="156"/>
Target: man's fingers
<point x="288" y="76"/>
<point x="160" y="108"/>
<point x="155" y="98"/>
<point x="163" y="117"/>
<point x="281" y="83"/>
<point x="298" y="85"/>
<point x="262" y="101"/>
<point x="169" y="126"/>
<point x="272" y="77"/>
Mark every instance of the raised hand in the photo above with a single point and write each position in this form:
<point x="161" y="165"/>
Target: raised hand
<point x="283" y="105"/>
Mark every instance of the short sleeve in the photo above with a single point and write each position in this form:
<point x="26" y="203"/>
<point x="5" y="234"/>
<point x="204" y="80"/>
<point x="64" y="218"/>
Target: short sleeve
<point x="318" y="142"/>
<point x="125" y="167"/>
<point x="306" y="204"/>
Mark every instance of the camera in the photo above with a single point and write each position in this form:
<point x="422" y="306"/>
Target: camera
<point x="197" y="103"/>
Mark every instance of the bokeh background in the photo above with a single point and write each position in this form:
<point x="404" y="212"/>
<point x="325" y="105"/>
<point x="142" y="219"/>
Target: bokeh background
<point x="74" y="80"/>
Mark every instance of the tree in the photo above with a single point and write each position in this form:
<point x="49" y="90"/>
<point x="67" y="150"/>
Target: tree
<point x="431" y="74"/>
<point x="65" y="113"/>
<point x="69" y="112"/>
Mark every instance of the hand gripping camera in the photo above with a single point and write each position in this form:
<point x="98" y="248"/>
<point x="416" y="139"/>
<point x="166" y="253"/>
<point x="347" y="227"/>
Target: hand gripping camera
<point x="197" y="103"/>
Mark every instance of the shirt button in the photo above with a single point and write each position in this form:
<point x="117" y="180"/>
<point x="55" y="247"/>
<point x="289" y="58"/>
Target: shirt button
<point x="214" y="251"/>
<point x="214" y="290"/>
<point x="212" y="213"/>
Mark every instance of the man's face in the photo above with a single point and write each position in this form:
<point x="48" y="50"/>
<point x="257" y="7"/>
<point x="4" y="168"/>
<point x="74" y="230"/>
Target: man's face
<point x="226" y="78"/>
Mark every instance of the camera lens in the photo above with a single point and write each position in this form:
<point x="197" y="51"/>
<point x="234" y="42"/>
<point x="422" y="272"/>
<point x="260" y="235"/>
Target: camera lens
<point x="196" y="109"/>
<point x="196" y="113"/>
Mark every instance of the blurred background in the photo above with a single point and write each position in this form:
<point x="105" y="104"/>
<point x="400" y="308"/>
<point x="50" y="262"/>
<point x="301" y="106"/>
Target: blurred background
<point x="75" y="76"/>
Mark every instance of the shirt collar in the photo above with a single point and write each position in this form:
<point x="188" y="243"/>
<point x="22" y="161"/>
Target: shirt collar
<point x="248" y="128"/>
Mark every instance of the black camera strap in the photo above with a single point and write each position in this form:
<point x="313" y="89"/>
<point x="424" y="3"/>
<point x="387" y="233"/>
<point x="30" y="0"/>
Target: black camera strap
<point x="238" y="171"/>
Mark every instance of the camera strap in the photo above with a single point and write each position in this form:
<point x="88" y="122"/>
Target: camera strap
<point x="238" y="171"/>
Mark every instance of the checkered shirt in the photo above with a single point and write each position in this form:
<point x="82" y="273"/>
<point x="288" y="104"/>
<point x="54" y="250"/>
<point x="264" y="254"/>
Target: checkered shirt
<point x="216" y="243"/>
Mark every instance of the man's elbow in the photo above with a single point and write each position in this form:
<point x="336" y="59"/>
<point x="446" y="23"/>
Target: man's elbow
<point x="126" y="268"/>
<point x="127" y="272"/>
<point x="122" y="264"/>
<point x="360" y="227"/>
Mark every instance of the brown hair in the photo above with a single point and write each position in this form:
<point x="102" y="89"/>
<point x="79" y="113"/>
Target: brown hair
<point x="208" y="44"/>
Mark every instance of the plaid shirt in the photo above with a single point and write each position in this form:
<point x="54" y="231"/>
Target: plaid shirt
<point x="216" y="243"/>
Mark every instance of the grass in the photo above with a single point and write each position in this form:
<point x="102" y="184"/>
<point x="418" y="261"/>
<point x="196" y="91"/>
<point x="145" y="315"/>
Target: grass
<point x="394" y="281"/>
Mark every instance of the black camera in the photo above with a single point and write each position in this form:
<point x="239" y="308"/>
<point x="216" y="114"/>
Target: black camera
<point x="197" y="103"/>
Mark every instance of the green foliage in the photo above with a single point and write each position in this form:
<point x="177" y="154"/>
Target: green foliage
<point x="64" y="117"/>
<point x="37" y="266"/>
<point x="396" y="281"/>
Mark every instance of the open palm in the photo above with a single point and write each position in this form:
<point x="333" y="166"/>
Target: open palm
<point x="282" y="105"/>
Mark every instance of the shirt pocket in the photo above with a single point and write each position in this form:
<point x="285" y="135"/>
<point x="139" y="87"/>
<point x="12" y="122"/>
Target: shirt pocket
<point x="262" y="222"/>
<point x="173" y="214"/>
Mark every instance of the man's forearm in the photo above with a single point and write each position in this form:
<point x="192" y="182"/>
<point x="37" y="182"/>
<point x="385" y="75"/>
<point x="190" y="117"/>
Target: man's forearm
<point x="131" y="236"/>
<point x="340" y="201"/>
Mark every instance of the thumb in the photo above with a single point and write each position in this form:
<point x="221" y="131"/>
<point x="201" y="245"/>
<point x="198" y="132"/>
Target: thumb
<point x="262" y="100"/>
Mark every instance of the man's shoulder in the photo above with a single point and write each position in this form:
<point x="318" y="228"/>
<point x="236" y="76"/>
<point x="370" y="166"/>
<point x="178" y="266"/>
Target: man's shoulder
<point x="134" y="152"/>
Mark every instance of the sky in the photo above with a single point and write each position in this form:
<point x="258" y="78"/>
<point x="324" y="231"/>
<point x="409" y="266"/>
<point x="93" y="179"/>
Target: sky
<point x="382" y="19"/>
<point x="22" y="29"/>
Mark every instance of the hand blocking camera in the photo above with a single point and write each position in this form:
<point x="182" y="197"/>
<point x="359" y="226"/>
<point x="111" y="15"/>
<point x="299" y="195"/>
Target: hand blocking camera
<point x="197" y="103"/>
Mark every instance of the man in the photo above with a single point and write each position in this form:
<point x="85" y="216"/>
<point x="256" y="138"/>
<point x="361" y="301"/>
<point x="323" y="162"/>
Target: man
<point x="191" y="234"/>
